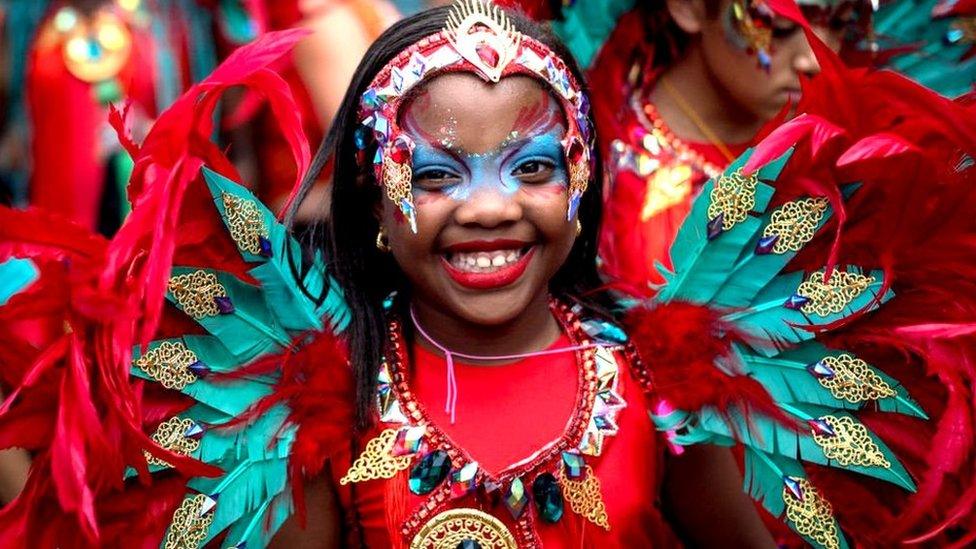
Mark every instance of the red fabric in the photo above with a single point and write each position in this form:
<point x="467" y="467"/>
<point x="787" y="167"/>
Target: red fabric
<point x="504" y="413"/>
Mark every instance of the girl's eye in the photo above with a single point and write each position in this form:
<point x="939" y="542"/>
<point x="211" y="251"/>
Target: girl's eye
<point x="435" y="179"/>
<point x="534" y="171"/>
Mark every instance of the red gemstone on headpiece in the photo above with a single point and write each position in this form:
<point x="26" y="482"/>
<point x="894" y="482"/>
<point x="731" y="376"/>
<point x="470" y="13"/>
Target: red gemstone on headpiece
<point x="400" y="150"/>
<point x="575" y="152"/>
<point x="488" y="54"/>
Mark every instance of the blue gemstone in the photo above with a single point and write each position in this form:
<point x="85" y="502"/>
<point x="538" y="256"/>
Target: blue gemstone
<point x="766" y="244"/>
<point x="954" y="35"/>
<point x="199" y="369"/>
<point x="820" y="370"/>
<point x="764" y="60"/>
<point x="371" y="100"/>
<point x="410" y="213"/>
<point x="469" y="544"/>
<point x="194" y="431"/>
<point x="793" y="485"/>
<point x="361" y="137"/>
<point x="821" y="427"/>
<point x="714" y="226"/>
<point x="575" y="466"/>
<point x="265" y="244"/>
<point x="429" y="472"/>
<point x="574" y="203"/>
<point x="396" y="78"/>
<point x="548" y="497"/>
<point x="224" y="305"/>
<point x="796" y="301"/>
<point x="584" y="105"/>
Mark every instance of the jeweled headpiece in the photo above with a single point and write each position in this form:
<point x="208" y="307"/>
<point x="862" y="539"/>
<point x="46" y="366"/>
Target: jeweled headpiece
<point x="480" y="39"/>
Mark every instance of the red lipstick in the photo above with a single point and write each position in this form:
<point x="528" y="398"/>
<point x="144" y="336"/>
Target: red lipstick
<point x="495" y="279"/>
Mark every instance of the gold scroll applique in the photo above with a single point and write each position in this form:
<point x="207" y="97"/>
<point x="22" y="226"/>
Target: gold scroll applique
<point x="585" y="498"/>
<point x="795" y="223"/>
<point x="245" y="222"/>
<point x="377" y="460"/>
<point x="190" y="524"/>
<point x="476" y="26"/>
<point x="812" y="515"/>
<point x="451" y="528"/>
<point x="169" y="364"/>
<point x="733" y="197"/>
<point x="854" y="381"/>
<point x="851" y="444"/>
<point x="195" y="293"/>
<point x="170" y="435"/>
<point x="832" y="296"/>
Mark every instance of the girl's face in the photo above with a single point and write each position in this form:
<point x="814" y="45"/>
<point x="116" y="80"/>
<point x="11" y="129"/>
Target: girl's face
<point x="490" y="189"/>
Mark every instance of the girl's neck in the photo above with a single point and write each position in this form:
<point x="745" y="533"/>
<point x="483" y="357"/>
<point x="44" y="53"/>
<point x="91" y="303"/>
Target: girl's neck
<point x="690" y="78"/>
<point x="533" y="329"/>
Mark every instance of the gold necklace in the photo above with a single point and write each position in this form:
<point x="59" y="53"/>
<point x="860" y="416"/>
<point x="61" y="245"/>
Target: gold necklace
<point x="689" y="111"/>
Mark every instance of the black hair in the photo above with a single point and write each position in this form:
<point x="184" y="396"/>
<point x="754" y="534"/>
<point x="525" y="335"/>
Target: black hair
<point x="367" y="275"/>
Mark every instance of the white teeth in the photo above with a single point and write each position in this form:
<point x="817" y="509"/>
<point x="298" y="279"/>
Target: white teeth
<point x="485" y="262"/>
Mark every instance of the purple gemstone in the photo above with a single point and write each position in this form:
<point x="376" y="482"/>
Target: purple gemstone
<point x="795" y="302"/>
<point x="199" y="369"/>
<point x="194" y="431"/>
<point x="574" y="203"/>
<point x="224" y="305"/>
<point x="370" y="99"/>
<point x="490" y="492"/>
<point x="265" y="244"/>
<point x="821" y="427"/>
<point x="715" y="226"/>
<point x="820" y="370"/>
<point x="208" y="504"/>
<point x="793" y="485"/>
<point x="766" y="244"/>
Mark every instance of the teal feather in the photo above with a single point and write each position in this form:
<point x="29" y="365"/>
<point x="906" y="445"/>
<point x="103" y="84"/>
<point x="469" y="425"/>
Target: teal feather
<point x="701" y="266"/>
<point x="251" y="330"/>
<point x="770" y="320"/>
<point x="587" y="24"/>
<point x="787" y="379"/>
<point x="767" y="435"/>
<point x="292" y="306"/>
<point x="764" y="476"/>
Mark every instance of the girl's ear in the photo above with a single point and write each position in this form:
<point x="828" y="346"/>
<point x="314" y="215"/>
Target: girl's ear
<point x="689" y="15"/>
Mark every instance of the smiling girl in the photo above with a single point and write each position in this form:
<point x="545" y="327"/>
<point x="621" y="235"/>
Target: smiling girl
<point x="441" y="367"/>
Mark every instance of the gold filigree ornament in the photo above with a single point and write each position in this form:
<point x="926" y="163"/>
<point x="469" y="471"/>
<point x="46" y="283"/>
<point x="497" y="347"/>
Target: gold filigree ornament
<point x="850" y="443"/>
<point x="191" y="522"/>
<point x="377" y="460"/>
<point x="733" y="197"/>
<point x="482" y="34"/>
<point x="828" y="297"/>
<point x="449" y="529"/>
<point x="794" y="223"/>
<point x="585" y="498"/>
<point x="811" y="514"/>
<point x="853" y="380"/>
<point x="195" y="293"/>
<point x="171" y="435"/>
<point x="246" y="223"/>
<point x="169" y="364"/>
<point x="398" y="182"/>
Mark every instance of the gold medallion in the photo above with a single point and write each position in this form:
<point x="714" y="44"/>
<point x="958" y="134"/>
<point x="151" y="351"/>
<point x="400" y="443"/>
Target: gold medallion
<point x="449" y="529"/>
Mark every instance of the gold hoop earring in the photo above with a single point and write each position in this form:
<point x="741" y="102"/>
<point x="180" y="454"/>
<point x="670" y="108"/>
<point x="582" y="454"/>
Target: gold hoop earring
<point x="579" y="226"/>
<point x="382" y="243"/>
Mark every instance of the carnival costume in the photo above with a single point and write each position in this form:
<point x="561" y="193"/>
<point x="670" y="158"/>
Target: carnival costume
<point x="816" y="314"/>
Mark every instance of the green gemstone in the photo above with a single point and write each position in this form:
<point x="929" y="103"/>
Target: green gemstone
<point x="548" y="497"/>
<point x="429" y="472"/>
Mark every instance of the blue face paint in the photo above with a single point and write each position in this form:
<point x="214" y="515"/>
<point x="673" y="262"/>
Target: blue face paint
<point x="518" y="162"/>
